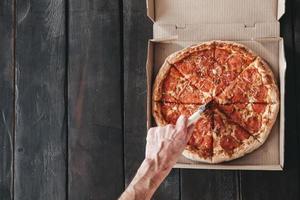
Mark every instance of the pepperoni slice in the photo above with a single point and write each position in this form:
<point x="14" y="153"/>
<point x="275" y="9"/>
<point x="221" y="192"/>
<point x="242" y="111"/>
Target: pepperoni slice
<point x="170" y="112"/>
<point x="220" y="88"/>
<point x="241" y="134"/>
<point x="172" y="118"/>
<point x="207" y="141"/>
<point x="173" y="83"/>
<point x="269" y="79"/>
<point x="206" y="146"/>
<point x="169" y="98"/>
<point x="250" y="75"/>
<point x="241" y="105"/>
<point x="229" y="76"/>
<point x="227" y="108"/>
<point x="254" y="123"/>
<point x="221" y="55"/>
<point x="236" y="117"/>
<point x="206" y="53"/>
<point x="174" y="73"/>
<point x="261" y="93"/>
<point x="243" y="85"/>
<point x="218" y="122"/>
<point x="185" y="67"/>
<point x="206" y="62"/>
<point x="228" y="143"/>
<point x="239" y="95"/>
<point x="185" y="112"/>
<point x="259" y="108"/>
<point x="187" y="97"/>
<point x="170" y="83"/>
<point x="192" y="95"/>
<point x="203" y="125"/>
<point x="207" y="85"/>
<point x="192" y="141"/>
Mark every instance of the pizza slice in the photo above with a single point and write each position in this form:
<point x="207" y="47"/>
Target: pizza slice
<point x="231" y="141"/>
<point x="168" y="113"/>
<point x="231" y="59"/>
<point x="255" y="85"/>
<point x="257" y="118"/>
<point x="200" y="145"/>
<point x="194" y="64"/>
<point x="169" y="84"/>
<point x="173" y="87"/>
<point x="192" y="95"/>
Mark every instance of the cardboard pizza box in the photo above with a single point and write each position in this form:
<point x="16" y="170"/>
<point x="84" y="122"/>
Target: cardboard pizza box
<point x="254" y="23"/>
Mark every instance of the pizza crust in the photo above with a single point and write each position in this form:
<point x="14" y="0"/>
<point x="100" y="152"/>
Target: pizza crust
<point x="157" y="114"/>
<point x="158" y="83"/>
<point x="192" y="155"/>
<point x="234" y="45"/>
<point x="246" y="148"/>
<point x="268" y="120"/>
<point x="179" y="55"/>
<point x="264" y="68"/>
<point x="273" y="94"/>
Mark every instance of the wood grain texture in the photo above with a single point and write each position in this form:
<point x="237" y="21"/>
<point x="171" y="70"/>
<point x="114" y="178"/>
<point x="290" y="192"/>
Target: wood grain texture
<point x="282" y="185"/>
<point x="137" y="31"/>
<point x="6" y="98"/>
<point x="95" y="113"/>
<point x="209" y="185"/>
<point x="40" y="135"/>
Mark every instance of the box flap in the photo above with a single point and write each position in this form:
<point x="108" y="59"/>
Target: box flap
<point x="248" y="12"/>
<point x="204" y="32"/>
<point x="280" y="8"/>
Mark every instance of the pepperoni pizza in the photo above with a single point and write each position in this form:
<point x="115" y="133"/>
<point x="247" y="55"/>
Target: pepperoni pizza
<point x="241" y="90"/>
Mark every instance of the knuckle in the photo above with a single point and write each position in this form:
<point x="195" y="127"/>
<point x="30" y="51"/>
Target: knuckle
<point x="169" y="126"/>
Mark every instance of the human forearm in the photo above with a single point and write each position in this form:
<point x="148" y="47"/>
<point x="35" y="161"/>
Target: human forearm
<point x="164" y="146"/>
<point x="146" y="181"/>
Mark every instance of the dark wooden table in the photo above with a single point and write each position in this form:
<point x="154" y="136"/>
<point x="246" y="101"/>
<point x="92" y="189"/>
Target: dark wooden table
<point x="73" y="103"/>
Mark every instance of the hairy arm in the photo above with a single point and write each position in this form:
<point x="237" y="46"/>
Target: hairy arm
<point x="164" y="145"/>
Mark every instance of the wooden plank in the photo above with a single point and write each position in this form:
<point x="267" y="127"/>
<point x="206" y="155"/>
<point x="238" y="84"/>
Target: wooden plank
<point x="137" y="31"/>
<point x="95" y="104"/>
<point x="282" y="185"/>
<point x="40" y="134"/>
<point x="6" y="98"/>
<point x="209" y="185"/>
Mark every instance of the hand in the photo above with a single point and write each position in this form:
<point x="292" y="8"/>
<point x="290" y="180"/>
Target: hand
<point x="165" y="144"/>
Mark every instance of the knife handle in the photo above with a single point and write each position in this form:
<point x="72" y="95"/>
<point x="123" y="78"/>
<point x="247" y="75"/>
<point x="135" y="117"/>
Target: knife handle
<point x="194" y="117"/>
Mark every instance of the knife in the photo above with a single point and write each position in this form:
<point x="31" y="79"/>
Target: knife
<point x="194" y="117"/>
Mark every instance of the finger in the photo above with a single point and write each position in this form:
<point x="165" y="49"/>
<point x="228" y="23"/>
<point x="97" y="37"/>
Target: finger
<point x="169" y="131"/>
<point x="150" y="133"/>
<point x="181" y="124"/>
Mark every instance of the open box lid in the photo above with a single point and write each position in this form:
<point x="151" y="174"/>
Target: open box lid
<point x="171" y="15"/>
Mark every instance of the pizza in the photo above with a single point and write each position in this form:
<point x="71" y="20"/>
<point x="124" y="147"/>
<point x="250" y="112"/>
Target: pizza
<point x="240" y="88"/>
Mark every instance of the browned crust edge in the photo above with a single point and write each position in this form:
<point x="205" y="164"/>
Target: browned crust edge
<point x="158" y="83"/>
<point x="179" y="55"/>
